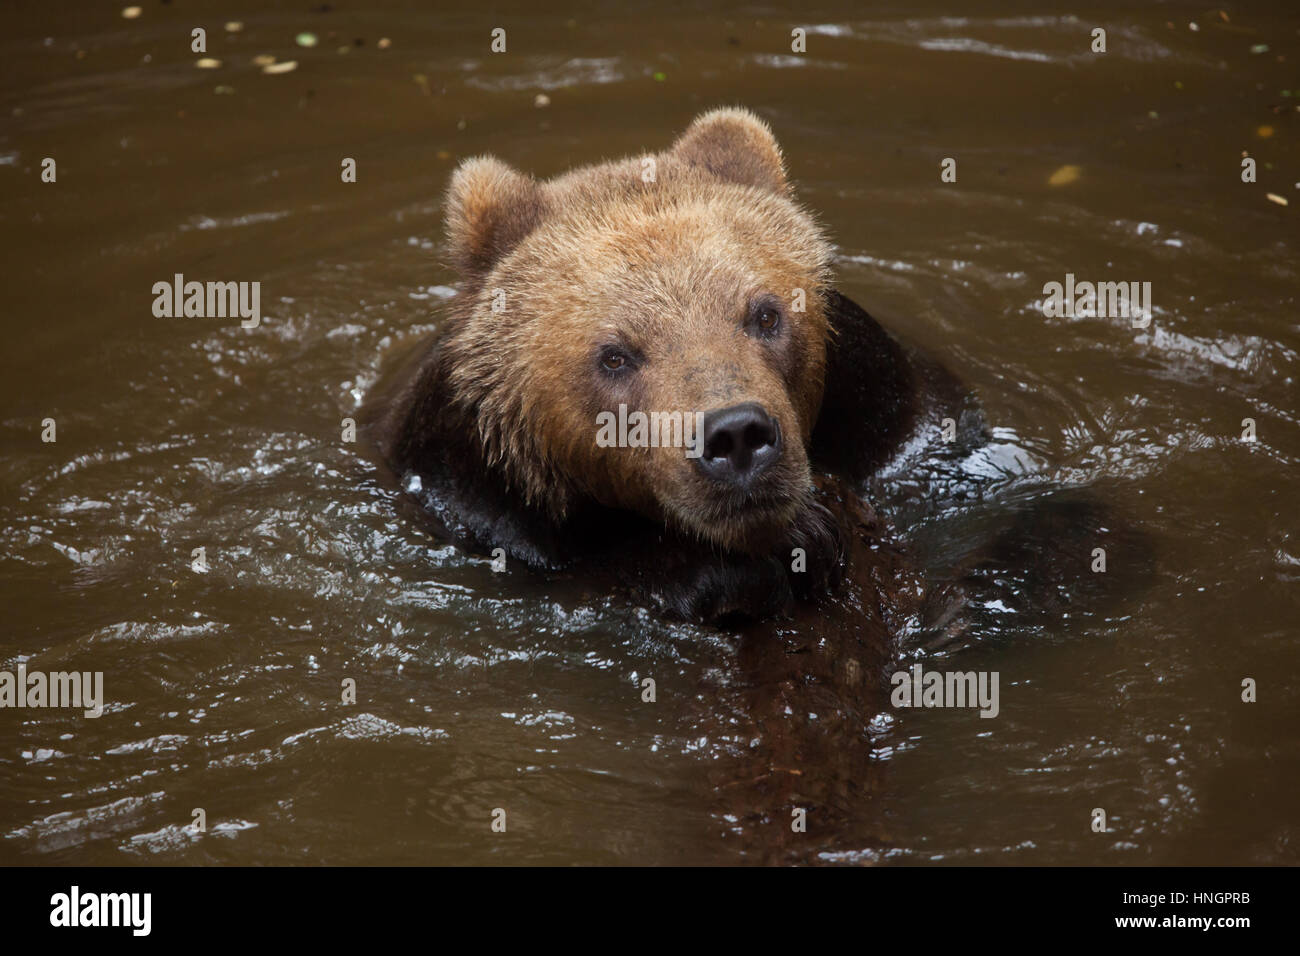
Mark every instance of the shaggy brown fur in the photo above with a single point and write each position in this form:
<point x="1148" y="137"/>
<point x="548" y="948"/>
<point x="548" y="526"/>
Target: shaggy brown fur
<point x="668" y="271"/>
<point x="497" y="416"/>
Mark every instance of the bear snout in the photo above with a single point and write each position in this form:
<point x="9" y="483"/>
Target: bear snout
<point x="739" y="444"/>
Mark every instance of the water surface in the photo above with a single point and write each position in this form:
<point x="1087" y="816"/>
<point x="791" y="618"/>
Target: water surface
<point x="478" y="690"/>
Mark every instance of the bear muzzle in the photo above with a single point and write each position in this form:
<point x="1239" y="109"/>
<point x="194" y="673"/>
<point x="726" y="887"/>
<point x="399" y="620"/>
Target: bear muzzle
<point x="739" y="444"/>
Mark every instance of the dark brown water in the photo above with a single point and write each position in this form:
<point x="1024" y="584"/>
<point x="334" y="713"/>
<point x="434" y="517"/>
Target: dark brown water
<point x="478" y="691"/>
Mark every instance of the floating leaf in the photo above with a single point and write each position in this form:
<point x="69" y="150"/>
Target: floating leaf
<point x="1064" y="176"/>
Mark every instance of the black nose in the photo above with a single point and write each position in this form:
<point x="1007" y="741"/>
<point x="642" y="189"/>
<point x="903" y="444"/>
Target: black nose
<point x="740" y="443"/>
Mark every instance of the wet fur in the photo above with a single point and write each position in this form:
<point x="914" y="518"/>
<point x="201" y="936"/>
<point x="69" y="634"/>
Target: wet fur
<point x="866" y="420"/>
<point x="813" y="648"/>
<point x="497" y="419"/>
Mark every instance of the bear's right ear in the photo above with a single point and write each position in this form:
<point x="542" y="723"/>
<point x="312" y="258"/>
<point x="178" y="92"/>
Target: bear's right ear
<point x="490" y="209"/>
<point x="735" y="146"/>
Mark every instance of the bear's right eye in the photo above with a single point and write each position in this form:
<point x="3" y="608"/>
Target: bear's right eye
<point x="615" y="360"/>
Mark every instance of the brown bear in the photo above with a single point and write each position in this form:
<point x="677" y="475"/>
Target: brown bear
<point x="690" y="283"/>
<point x="690" y="287"/>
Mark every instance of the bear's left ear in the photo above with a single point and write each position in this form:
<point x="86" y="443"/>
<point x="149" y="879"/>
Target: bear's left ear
<point x="736" y="146"/>
<point x="491" y="207"/>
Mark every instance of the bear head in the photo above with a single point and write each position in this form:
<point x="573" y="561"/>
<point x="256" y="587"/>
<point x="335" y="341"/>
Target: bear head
<point x="683" y="282"/>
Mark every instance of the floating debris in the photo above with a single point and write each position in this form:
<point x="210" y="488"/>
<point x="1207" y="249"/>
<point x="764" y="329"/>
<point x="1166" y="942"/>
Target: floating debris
<point x="1064" y="176"/>
<point x="223" y="90"/>
<point x="130" y="13"/>
<point x="541" y="100"/>
<point x="263" y="59"/>
<point x="1264" y="132"/>
<point x="233" y="26"/>
<point x="305" y="39"/>
<point x="288" y="66"/>
<point x="1280" y="200"/>
<point x="208" y="63"/>
<point x="1259" y="48"/>
<point x="384" y="43"/>
<point x="660" y="77"/>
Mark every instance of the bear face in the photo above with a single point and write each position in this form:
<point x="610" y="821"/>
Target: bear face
<point x="685" y="282"/>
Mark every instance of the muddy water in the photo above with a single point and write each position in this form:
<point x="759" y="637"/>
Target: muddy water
<point x="477" y="691"/>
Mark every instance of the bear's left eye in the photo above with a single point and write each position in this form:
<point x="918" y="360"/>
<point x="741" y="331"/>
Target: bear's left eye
<point x="765" y="317"/>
